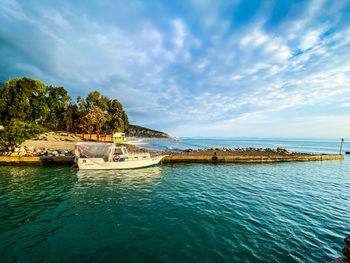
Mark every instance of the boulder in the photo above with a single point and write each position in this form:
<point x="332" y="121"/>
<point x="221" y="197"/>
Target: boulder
<point x="188" y="150"/>
<point x="346" y="249"/>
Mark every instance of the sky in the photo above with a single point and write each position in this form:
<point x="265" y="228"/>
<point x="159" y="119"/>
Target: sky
<point x="193" y="68"/>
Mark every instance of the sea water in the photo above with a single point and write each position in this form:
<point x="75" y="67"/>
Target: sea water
<point x="278" y="212"/>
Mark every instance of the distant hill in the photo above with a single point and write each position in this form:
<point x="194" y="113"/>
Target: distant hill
<point x="138" y="131"/>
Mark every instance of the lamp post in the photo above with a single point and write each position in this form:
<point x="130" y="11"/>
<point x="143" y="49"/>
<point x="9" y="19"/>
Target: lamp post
<point x="341" y="145"/>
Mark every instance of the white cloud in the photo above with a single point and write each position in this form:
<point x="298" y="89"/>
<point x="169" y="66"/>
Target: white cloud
<point x="180" y="32"/>
<point x="215" y="72"/>
<point x="310" y="39"/>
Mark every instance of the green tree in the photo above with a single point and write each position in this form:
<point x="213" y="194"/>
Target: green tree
<point x="58" y="100"/>
<point x="94" y="98"/>
<point x="116" y="116"/>
<point x="73" y="118"/>
<point x="16" y="132"/>
<point x="94" y="120"/>
<point x="23" y="99"/>
<point x="81" y="104"/>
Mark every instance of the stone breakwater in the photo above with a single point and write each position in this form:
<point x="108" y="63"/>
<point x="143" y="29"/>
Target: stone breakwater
<point x="209" y="155"/>
<point x="244" y="155"/>
<point x="247" y="158"/>
<point x="251" y="151"/>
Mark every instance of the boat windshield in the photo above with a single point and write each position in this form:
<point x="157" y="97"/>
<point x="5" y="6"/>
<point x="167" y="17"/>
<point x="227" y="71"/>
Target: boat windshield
<point x="120" y="151"/>
<point x="92" y="150"/>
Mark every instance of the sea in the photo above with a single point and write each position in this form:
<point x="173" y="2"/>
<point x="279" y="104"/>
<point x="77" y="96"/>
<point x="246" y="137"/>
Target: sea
<point x="275" y="212"/>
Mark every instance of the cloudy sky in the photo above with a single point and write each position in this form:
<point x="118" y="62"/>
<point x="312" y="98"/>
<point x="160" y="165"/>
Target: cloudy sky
<point x="193" y="68"/>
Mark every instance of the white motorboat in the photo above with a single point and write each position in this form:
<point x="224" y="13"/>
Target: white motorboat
<point x="109" y="156"/>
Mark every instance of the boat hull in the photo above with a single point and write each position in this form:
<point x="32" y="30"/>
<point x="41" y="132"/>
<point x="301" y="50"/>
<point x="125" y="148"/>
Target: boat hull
<point x="100" y="164"/>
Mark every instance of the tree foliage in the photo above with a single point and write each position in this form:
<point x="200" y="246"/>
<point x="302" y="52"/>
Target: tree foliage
<point x="28" y="104"/>
<point x="58" y="100"/>
<point x="94" y="120"/>
<point x="23" y="99"/>
<point x="73" y="118"/>
<point x="16" y="132"/>
<point x="116" y="118"/>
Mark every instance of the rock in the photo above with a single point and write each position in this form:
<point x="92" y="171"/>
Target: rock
<point x="346" y="249"/>
<point x="54" y="153"/>
<point x="188" y="150"/>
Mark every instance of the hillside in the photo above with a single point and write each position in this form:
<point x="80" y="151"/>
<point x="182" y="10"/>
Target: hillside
<point x="138" y="131"/>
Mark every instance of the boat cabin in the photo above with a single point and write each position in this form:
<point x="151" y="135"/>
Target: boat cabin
<point x="109" y="152"/>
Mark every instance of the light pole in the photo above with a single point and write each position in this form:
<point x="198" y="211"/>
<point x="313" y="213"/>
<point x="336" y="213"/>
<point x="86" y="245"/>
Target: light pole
<point x="341" y="145"/>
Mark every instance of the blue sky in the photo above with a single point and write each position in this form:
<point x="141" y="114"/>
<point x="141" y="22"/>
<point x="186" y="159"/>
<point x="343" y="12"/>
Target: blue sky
<point x="193" y="68"/>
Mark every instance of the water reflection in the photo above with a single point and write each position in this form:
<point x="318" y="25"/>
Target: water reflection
<point x="111" y="187"/>
<point x="118" y="177"/>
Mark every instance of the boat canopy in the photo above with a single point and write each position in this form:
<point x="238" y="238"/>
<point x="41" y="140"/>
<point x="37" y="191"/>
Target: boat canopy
<point x="93" y="150"/>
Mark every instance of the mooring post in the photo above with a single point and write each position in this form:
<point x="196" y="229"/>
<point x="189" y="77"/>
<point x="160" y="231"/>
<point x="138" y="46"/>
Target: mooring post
<point x="341" y="145"/>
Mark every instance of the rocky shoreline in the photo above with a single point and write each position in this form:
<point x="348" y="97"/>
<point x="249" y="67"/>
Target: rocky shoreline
<point x="250" y="151"/>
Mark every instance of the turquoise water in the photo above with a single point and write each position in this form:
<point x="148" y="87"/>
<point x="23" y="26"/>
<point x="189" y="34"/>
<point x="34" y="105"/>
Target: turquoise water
<point x="281" y="212"/>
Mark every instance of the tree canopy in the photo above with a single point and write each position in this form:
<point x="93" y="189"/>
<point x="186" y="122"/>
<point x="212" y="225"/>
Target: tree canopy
<point x="23" y="99"/>
<point x="16" y="132"/>
<point x="28" y="106"/>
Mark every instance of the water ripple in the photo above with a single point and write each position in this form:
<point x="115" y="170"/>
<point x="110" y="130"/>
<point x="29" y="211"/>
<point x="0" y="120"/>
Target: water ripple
<point x="291" y="212"/>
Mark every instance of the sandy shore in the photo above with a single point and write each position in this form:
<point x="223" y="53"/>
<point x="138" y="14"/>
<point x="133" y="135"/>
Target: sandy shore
<point x="54" y="142"/>
<point x="52" y="145"/>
